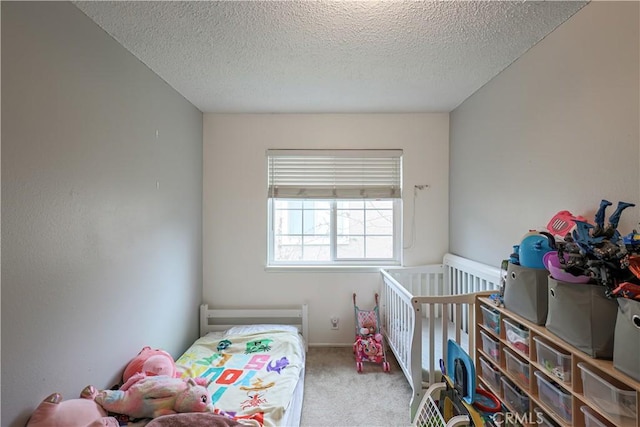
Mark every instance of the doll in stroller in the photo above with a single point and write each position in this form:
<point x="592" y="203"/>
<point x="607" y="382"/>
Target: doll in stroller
<point x="369" y="343"/>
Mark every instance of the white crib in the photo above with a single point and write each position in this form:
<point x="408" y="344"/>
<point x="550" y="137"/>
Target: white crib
<point x="422" y="307"/>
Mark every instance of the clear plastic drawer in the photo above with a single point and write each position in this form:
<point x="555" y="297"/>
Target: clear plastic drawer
<point x="490" y="374"/>
<point x="553" y="361"/>
<point x="490" y="346"/>
<point x="491" y="319"/>
<point x="514" y="396"/>
<point x="517" y="368"/>
<point x="558" y="400"/>
<point x="590" y="420"/>
<point x="517" y="336"/>
<point x="616" y="402"/>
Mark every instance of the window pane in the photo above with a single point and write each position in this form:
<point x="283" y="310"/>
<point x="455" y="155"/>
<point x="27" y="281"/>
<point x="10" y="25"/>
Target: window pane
<point x="379" y="247"/>
<point x="317" y="204"/>
<point x="290" y="204"/>
<point x="350" y="204"/>
<point x="302" y="230"/>
<point x="317" y="222"/>
<point x="317" y="240"/>
<point x="352" y="248"/>
<point x="315" y="250"/>
<point x="379" y="204"/>
<point x="364" y="230"/>
<point x="287" y="240"/>
<point x="350" y="222"/>
<point x="380" y="222"/>
<point x="287" y="220"/>
<point x="286" y="249"/>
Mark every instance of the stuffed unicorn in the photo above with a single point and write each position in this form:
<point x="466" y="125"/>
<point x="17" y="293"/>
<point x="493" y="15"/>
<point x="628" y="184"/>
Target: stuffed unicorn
<point x="151" y="397"/>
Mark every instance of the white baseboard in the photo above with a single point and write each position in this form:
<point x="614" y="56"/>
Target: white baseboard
<point x="321" y="344"/>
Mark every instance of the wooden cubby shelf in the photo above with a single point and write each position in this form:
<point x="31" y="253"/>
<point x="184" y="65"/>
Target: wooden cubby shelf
<point x="560" y="383"/>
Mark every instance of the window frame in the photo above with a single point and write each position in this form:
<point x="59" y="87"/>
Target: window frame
<point x="334" y="175"/>
<point x="396" y="260"/>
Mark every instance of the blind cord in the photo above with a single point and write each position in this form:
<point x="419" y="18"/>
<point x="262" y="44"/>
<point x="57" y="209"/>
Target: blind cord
<point x="413" y="215"/>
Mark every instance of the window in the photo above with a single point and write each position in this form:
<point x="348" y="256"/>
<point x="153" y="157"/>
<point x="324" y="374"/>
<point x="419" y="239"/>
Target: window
<point x="334" y="207"/>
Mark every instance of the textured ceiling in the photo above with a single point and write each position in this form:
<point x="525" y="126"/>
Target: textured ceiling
<point x="328" y="56"/>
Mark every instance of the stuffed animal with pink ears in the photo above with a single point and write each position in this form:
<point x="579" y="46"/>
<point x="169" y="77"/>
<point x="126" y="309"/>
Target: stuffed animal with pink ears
<point x="83" y="412"/>
<point x="150" y="362"/>
<point x="151" y="397"/>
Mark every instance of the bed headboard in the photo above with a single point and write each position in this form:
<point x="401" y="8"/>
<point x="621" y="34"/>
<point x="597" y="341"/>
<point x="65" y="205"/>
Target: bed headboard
<point x="221" y="319"/>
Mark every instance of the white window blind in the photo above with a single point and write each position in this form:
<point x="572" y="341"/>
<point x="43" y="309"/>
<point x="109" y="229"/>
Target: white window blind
<point x="334" y="174"/>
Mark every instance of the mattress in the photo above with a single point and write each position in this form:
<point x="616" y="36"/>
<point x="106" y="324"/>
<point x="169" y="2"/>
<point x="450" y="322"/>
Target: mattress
<point x="253" y="374"/>
<point x="464" y="342"/>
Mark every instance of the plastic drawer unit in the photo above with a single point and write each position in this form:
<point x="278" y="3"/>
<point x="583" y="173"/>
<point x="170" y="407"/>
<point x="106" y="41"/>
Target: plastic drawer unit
<point x="517" y="368"/>
<point x="556" y="363"/>
<point x="490" y="346"/>
<point x="491" y="375"/>
<point x="558" y="400"/>
<point x="517" y="336"/>
<point x="619" y="404"/>
<point x="491" y="319"/>
<point x="543" y="419"/>
<point x="590" y="420"/>
<point x="514" y="396"/>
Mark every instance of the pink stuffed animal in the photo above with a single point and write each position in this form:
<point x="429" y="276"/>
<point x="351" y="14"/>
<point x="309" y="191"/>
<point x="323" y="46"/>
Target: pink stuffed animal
<point x="83" y="412"/>
<point x="150" y="362"/>
<point x="150" y="397"/>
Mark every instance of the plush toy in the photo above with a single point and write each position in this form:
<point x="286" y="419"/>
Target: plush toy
<point x="150" y="362"/>
<point x="83" y="412"/>
<point x="368" y="328"/>
<point x="195" y="419"/>
<point x="150" y="397"/>
<point x="371" y="347"/>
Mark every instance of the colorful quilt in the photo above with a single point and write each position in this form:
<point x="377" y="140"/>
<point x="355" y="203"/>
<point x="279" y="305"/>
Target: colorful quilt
<point x="251" y="377"/>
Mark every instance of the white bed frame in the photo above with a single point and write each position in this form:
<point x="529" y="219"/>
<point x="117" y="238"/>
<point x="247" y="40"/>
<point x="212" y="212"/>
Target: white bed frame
<point x="444" y="293"/>
<point x="221" y="319"/>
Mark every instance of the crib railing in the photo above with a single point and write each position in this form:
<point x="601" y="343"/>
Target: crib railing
<point x="400" y="311"/>
<point x="464" y="276"/>
<point x="443" y="293"/>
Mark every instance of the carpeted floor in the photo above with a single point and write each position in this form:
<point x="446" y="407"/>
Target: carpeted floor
<point x="335" y="395"/>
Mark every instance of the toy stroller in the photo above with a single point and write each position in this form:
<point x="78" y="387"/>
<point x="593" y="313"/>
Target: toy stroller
<point x="369" y="344"/>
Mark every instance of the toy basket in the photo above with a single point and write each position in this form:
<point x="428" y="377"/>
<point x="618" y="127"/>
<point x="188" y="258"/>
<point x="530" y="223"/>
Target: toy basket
<point x="428" y="414"/>
<point x="459" y="402"/>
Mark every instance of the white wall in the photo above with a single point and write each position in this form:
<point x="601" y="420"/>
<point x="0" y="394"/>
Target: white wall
<point x="557" y="130"/>
<point x="235" y="207"/>
<point x="97" y="260"/>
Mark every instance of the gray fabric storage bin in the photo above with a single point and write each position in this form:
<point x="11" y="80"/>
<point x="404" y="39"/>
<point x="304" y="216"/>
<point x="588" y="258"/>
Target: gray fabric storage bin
<point x="526" y="292"/>
<point x="626" y="347"/>
<point x="583" y="316"/>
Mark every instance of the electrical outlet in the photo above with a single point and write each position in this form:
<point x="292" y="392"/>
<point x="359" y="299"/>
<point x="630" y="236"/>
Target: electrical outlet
<point x="335" y="322"/>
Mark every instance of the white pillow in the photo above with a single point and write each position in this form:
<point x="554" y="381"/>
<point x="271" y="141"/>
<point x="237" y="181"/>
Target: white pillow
<point x="214" y="334"/>
<point x="254" y="329"/>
